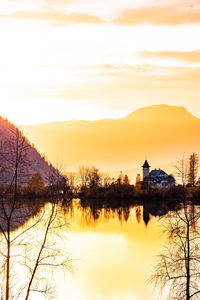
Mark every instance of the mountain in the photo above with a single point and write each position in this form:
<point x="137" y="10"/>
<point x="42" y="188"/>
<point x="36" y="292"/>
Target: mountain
<point x="29" y="159"/>
<point x="161" y="133"/>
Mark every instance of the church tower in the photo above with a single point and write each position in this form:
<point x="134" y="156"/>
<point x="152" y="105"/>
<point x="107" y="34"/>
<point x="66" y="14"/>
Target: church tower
<point x="146" y="168"/>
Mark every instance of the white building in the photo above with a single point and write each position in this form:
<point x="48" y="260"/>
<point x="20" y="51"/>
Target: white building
<point x="156" y="179"/>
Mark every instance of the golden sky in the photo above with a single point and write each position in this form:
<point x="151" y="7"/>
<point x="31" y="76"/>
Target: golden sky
<point x="93" y="59"/>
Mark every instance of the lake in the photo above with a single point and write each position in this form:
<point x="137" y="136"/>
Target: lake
<point x="112" y="252"/>
<point x="113" y="256"/>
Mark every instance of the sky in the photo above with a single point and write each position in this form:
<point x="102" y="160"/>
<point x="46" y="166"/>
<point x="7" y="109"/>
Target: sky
<point x="94" y="59"/>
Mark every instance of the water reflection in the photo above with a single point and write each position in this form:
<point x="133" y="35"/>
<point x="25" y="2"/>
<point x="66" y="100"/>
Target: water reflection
<point x="30" y="245"/>
<point x="113" y="249"/>
<point x="115" y="252"/>
<point x="92" y="215"/>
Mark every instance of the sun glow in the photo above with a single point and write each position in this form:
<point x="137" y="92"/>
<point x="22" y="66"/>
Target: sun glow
<point x="91" y="71"/>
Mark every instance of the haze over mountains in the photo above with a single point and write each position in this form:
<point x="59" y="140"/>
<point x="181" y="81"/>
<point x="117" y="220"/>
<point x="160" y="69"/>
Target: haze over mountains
<point x="161" y="133"/>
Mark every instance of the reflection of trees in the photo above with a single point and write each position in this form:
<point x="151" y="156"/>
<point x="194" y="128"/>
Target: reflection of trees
<point x="32" y="248"/>
<point x="123" y="213"/>
<point x="93" y="214"/>
<point x="178" y="266"/>
<point x="138" y="213"/>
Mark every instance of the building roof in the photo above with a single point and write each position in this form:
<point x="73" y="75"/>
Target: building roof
<point x="146" y="165"/>
<point x="171" y="178"/>
<point x="158" y="173"/>
<point x="158" y="176"/>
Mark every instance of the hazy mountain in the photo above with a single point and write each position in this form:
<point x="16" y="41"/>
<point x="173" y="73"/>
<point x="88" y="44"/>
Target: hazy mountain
<point x="161" y="133"/>
<point x="30" y="160"/>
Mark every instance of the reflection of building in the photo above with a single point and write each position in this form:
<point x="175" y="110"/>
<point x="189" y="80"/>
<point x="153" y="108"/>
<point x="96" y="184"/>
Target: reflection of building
<point x="154" y="209"/>
<point x="146" y="216"/>
<point x="156" y="179"/>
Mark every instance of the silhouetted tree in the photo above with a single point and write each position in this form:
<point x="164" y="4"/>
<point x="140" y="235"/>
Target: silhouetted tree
<point x="138" y="179"/>
<point x="193" y="169"/>
<point x="72" y="180"/>
<point x="181" y="170"/>
<point x="120" y="178"/>
<point x="126" y="180"/>
<point x="105" y="180"/>
<point x="90" y="176"/>
<point x="178" y="266"/>
<point x="83" y="174"/>
<point x="30" y="248"/>
<point x="93" y="177"/>
<point x="138" y="183"/>
<point x="13" y="163"/>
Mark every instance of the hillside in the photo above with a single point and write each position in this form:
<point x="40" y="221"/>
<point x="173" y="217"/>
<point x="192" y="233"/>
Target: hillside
<point x="161" y="133"/>
<point x="29" y="159"/>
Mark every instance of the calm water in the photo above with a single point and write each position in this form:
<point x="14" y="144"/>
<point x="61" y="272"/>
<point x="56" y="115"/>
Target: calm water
<point x="113" y="257"/>
<point x="113" y="254"/>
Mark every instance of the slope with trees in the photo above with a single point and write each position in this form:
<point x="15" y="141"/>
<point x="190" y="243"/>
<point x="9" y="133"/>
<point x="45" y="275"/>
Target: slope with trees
<point x="29" y="160"/>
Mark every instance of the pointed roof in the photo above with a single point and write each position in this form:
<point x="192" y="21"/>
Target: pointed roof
<point x="146" y="165"/>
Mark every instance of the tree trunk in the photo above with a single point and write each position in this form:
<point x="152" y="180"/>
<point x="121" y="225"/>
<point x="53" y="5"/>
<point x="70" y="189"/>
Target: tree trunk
<point x="8" y="264"/>
<point x="188" y="262"/>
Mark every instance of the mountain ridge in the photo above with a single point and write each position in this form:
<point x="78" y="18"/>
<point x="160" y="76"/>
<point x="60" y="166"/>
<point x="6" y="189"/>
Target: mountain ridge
<point x="120" y="144"/>
<point x="180" y="109"/>
<point x="160" y="111"/>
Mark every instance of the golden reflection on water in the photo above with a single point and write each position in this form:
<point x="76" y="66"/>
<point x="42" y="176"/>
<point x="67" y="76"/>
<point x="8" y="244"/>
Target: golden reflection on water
<point x="113" y="259"/>
<point x="113" y="255"/>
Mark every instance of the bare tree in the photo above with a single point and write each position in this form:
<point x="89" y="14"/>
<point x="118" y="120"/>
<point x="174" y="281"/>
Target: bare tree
<point x="179" y="265"/>
<point x="83" y="173"/>
<point x="181" y="170"/>
<point x="17" y="243"/>
<point x="72" y="180"/>
<point x="193" y="169"/>
<point x="13" y="163"/>
<point x="48" y="254"/>
<point x="105" y="179"/>
<point x="89" y="176"/>
<point x="32" y="247"/>
<point x="14" y="160"/>
<point x="93" y="177"/>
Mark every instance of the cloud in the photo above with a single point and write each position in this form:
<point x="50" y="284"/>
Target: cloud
<point x="192" y="56"/>
<point x="55" y="17"/>
<point x="160" y="15"/>
<point x="141" y="76"/>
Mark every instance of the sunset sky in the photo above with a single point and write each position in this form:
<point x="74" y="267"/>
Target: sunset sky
<point x="93" y="59"/>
